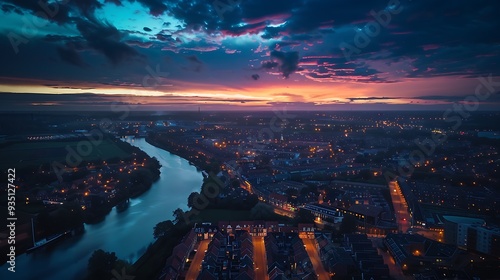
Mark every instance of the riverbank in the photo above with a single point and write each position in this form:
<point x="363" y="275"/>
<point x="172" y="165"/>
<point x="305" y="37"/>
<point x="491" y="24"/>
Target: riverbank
<point x="82" y="204"/>
<point x="198" y="161"/>
<point x="127" y="231"/>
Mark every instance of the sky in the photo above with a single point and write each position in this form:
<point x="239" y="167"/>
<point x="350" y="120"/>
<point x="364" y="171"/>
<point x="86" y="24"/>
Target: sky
<point x="248" y="54"/>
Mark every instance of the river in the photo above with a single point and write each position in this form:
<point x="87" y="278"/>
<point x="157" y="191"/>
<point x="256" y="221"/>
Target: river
<point x="126" y="233"/>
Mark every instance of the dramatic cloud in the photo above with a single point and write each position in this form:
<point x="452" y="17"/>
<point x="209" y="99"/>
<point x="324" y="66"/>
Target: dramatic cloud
<point x="286" y="63"/>
<point x="105" y="38"/>
<point x="71" y="56"/>
<point x="195" y="64"/>
<point x="365" y="51"/>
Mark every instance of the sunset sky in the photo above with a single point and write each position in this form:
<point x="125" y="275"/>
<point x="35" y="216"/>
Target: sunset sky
<point x="247" y="54"/>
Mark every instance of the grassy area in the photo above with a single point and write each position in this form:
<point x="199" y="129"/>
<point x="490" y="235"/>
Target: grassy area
<point x="36" y="153"/>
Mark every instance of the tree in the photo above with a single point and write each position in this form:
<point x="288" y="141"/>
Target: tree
<point x="142" y="177"/>
<point x="100" y="265"/>
<point x="261" y="211"/>
<point x="348" y="224"/>
<point x="251" y="201"/>
<point x="304" y="217"/>
<point x="235" y="183"/>
<point x="178" y="216"/>
<point x="162" y="228"/>
<point x="191" y="198"/>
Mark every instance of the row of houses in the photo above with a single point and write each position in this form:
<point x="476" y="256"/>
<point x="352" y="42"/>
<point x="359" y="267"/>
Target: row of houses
<point x="254" y="228"/>
<point x="287" y="257"/>
<point x="356" y="258"/>
<point x="175" y="264"/>
<point x="229" y="257"/>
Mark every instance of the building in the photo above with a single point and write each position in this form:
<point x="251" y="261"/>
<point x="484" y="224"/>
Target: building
<point x="484" y="239"/>
<point x="325" y="213"/>
<point x="415" y="253"/>
<point x="205" y="230"/>
<point x="174" y="266"/>
<point x="306" y="230"/>
<point x="456" y="229"/>
<point x="263" y="228"/>
<point x="229" y="257"/>
<point x="285" y="252"/>
<point x="336" y="260"/>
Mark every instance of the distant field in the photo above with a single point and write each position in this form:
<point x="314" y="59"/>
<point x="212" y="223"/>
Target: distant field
<point x="37" y="153"/>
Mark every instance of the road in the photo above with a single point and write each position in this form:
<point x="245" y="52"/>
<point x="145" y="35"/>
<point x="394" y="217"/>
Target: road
<point x="403" y="217"/>
<point x="313" y="253"/>
<point x="195" y="267"/>
<point x="284" y="212"/>
<point x="259" y="258"/>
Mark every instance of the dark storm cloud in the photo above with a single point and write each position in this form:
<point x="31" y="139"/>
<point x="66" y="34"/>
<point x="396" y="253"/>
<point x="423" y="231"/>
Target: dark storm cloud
<point x="156" y="7"/>
<point x="61" y="38"/>
<point x="263" y="9"/>
<point x="59" y="13"/>
<point x="440" y="38"/>
<point x="437" y="38"/>
<point x="194" y="59"/>
<point x="318" y="13"/>
<point x="195" y="64"/>
<point x="11" y="8"/>
<point x="272" y="32"/>
<point x="287" y="62"/>
<point x="116" y="2"/>
<point x="70" y="56"/>
<point x="105" y="38"/>
<point x="269" y="64"/>
<point x="87" y="7"/>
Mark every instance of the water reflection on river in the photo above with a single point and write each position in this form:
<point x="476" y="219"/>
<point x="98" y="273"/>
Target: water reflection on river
<point x="128" y="232"/>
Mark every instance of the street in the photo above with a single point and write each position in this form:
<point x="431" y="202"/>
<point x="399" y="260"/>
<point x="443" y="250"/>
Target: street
<point x="403" y="217"/>
<point x="195" y="267"/>
<point x="313" y="253"/>
<point x="259" y="257"/>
